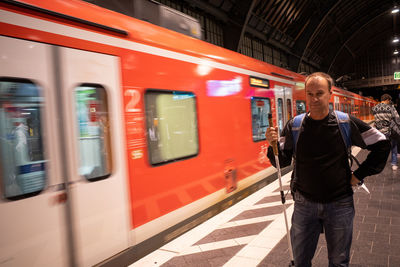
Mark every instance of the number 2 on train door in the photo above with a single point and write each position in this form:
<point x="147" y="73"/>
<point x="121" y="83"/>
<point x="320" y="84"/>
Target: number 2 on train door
<point x="134" y="98"/>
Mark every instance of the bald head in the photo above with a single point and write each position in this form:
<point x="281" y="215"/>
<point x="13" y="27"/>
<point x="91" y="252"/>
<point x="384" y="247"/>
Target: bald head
<point x="318" y="93"/>
<point x="320" y="75"/>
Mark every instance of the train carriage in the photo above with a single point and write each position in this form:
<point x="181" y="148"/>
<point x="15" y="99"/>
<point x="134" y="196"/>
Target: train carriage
<point x="354" y="104"/>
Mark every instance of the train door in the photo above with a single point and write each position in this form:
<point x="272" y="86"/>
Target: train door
<point x="63" y="195"/>
<point x="336" y="102"/>
<point x="284" y="106"/>
<point x="95" y="153"/>
<point x="32" y="199"/>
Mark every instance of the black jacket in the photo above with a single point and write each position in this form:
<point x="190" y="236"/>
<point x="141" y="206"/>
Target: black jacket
<point x="322" y="172"/>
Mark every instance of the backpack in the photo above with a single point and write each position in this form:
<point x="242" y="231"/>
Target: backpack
<point x="343" y="121"/>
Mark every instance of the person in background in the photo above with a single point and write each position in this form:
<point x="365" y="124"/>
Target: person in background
<point x="384" y="112"/>
<point x="322" y="179"/>
<point x="398" y="111"/>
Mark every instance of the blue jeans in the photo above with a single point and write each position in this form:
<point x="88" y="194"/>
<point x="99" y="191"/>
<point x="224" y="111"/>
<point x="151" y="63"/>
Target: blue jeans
<point x="307" y="221"/>
<point x="394" y="152"/>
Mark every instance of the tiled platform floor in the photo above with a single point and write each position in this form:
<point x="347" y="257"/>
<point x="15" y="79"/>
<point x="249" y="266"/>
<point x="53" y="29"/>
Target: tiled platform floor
<point x="253" y="233"/>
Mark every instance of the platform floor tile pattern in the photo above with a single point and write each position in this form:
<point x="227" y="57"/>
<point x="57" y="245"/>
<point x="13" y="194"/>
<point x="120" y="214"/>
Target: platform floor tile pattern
<point x="253" y="232"/>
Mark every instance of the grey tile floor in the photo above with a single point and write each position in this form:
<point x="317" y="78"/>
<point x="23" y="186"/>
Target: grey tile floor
<point x="240" y="235"/>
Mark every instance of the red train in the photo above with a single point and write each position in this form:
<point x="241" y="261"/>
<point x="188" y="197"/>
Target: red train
<point x="114" y="132"/>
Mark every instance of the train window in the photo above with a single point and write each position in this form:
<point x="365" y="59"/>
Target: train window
<point x="280" y="114"/>
<point x="300" y="107"/>
<point x="336" y="106"/>
<point x="171" y="121"/>
<point x="22" y="161"/>
<point x="342" y="107"/>
<point x="345" y="108"/>
<point x="289" y="109"/>
<point x="260" y="108"/>
<point x="330" y="107"/>
<point x="94" y="132"/>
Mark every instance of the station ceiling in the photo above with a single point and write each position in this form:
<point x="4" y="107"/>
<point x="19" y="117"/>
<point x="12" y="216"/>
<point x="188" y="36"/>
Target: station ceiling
<point x="327" y="34"/>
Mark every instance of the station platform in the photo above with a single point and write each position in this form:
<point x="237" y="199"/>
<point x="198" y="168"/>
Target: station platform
<point x="253" y="233"/>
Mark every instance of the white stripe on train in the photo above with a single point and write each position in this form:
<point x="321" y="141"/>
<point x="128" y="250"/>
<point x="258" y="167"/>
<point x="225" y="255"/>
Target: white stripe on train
<point x="52" y="27"/>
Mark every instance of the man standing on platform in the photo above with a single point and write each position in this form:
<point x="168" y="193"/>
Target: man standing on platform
<point x="322" y="179"/>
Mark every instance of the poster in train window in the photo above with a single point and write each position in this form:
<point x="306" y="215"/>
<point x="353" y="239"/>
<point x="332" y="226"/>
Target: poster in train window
<point x="289" y="109"/>
<point x="93" y="131"/>
<point x="260" y="108"/>
<point x="171" y="125"/>
<point x="22" y="160"/>
<point x="300" y="107"/>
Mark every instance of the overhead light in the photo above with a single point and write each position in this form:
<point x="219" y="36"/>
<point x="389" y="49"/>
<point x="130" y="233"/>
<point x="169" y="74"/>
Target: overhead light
<point x="395" y="52"/>
<point x="395" y="39"/>
<point x="395" y="10"/>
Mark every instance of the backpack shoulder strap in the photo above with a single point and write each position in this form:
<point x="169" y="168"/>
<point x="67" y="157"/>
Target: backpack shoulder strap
<point x="343" y="121"/>
<point x="297" y="123"/>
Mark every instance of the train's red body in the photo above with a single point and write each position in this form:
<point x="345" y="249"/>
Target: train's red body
<point x="143" y="82"/>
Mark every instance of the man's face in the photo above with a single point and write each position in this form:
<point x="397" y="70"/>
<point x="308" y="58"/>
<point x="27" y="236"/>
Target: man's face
<point x="318" y="95"/>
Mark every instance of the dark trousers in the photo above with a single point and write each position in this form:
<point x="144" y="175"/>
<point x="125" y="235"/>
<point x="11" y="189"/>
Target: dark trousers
<point x="307" y="221"/>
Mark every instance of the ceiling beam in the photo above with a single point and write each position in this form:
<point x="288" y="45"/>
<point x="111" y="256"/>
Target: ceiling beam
<point x="246" y="21"/>
<point x="344" y="44"/>
<point x="353" y="55"/>
<point x="316" y="31"/>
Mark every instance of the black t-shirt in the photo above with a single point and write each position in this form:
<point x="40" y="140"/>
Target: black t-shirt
<point x="322" y="170"/>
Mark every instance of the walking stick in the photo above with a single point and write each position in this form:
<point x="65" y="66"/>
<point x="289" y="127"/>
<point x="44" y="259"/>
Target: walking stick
<point x="278" y="168"/>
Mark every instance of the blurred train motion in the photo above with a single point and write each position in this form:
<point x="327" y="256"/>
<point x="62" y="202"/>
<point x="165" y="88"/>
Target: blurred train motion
<point x="114" y="136"/>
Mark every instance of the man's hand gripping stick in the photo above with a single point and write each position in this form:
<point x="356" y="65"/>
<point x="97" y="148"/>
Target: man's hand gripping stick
<point x="274" y="144"/>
